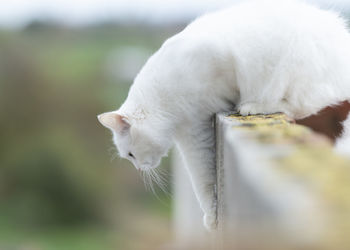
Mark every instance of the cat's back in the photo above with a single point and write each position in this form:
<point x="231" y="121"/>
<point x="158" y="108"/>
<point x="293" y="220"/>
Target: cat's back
<point x="264" y="31"/>
<point x="289" y="47"/>
<point x="252" y="49"/>
<point x="268" y="18"/>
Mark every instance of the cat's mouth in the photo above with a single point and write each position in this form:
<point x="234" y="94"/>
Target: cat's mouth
<point x="148" y="166"/>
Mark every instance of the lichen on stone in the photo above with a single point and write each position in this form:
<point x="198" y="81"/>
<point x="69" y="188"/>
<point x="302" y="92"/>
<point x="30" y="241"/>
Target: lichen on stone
<point x="272" y="128"/>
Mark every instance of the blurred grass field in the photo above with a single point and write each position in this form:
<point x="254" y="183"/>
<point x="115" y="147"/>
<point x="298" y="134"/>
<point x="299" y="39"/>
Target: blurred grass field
<point x="59" y="187"/>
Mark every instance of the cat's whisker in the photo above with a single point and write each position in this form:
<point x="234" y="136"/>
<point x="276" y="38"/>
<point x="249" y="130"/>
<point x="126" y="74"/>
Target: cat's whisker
<point x="160" y="173"/>
<point x="161" y="181"/>
<point x="150" y="182"/>
<point x="158" y="177"/>
<point x="151" y="177"/>
<point x="114" y="156"/>
<point x="145" y="178"/>
<point x="112" y="150"/>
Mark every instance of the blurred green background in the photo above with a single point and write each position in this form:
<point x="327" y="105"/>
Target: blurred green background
<point x="61" y="184"/>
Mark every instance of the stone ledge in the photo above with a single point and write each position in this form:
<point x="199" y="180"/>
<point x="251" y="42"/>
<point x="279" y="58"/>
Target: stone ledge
<point x="278" y="179"/>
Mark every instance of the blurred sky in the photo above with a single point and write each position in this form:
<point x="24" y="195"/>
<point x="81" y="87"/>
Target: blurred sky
<point x="16" y="13"/>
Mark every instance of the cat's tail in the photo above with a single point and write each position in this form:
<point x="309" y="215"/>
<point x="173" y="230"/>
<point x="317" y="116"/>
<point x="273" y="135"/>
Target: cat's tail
<point x="342" y="145"/>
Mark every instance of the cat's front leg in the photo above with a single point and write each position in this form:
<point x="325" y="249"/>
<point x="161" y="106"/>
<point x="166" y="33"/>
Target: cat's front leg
<point x="198" y="150"/>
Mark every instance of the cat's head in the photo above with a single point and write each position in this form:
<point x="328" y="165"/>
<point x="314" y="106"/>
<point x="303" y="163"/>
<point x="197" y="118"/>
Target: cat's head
<point x="135" y="141"/>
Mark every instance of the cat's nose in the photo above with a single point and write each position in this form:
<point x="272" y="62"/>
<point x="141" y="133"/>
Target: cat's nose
<point x="136" y="166"/>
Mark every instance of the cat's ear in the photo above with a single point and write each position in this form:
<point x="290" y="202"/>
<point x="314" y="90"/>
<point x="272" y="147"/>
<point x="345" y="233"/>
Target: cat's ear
<point x="114" y="121"/>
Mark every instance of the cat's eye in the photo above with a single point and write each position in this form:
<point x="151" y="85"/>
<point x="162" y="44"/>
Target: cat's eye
<point x="131" y="155"/>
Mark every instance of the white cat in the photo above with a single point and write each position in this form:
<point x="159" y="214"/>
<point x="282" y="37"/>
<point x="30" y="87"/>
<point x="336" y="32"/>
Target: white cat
<point x="257" y="57"/>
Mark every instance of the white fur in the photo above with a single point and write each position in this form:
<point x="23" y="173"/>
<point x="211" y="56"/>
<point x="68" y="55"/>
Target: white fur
<point x="258" y="56"/>
<point x="343" y="143"/>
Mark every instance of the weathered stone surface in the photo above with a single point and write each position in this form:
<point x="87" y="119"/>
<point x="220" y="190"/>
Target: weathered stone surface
<point x="280" y="181"/>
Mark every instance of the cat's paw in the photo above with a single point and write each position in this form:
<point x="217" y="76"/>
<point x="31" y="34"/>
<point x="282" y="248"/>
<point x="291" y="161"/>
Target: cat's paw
<point x="210" y="222"/>
<point x="210" y="217"/>
<point x="250" y="108"/>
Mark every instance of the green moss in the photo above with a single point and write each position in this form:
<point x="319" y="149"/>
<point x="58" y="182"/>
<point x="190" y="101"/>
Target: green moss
<point x="274" y="128"/>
